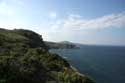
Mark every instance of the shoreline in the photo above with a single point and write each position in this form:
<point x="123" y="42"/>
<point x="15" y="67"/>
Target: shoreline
<point x="76" y="70"/>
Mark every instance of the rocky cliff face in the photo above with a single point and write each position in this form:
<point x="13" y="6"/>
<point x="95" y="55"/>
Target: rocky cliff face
<point x="24" y="58"/>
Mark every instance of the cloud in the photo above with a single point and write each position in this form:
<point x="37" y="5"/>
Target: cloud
<point x="75" y="26"/>
<point x="18" y="2"/>
<point x="53" y="15"/>
<point x="5" y="9"/>
<point x="76" y="22"/>
<point x="7" y="6"/>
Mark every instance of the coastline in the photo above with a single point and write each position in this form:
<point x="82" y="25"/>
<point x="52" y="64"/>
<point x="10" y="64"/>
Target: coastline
<point x="77" y="71"/>
<point x="81" y="74"/>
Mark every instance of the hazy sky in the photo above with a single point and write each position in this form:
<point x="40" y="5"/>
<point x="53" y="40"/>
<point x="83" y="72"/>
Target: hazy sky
<point x="82" y="21"/>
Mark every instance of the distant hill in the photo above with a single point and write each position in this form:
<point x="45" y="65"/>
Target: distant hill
<point x="24" y="58"/>
<point x="66" y="42"/>
<point x="61" y="45"/>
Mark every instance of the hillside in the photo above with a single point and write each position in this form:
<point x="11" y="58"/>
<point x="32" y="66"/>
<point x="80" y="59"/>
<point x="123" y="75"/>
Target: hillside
<point x="24" y="58"/>
<point x="61" y="45"/>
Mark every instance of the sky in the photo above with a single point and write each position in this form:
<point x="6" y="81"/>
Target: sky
<point x="100" y="22"/>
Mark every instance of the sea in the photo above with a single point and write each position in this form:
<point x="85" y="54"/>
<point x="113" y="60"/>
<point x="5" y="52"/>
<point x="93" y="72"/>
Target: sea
<point x="103" y="64"/>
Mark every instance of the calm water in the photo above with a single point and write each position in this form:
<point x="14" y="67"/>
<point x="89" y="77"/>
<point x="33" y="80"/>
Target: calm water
<point x="104" y="64"/>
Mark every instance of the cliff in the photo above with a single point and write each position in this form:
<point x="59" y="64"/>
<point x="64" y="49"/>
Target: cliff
<point x="61" y="45"/>
<point x="24" y="58"/>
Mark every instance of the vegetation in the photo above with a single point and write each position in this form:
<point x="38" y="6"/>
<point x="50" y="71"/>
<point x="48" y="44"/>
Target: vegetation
<point x="24" y="58"/>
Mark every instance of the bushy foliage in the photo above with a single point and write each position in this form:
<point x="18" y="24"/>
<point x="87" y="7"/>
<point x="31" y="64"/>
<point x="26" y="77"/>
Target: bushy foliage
<point x="24" y="58"/>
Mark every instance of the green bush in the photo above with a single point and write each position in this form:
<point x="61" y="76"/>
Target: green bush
<point x="24" y="58"/>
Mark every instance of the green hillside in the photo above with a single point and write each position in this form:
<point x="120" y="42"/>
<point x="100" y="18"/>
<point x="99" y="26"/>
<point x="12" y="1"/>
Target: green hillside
<point x="24" y="58"/>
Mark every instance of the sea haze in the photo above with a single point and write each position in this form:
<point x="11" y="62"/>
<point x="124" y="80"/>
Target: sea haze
<point x="104" y="64"/>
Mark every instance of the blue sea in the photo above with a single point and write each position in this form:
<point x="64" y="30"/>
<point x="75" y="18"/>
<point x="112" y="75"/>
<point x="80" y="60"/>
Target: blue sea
<point x="104" y="64"/>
